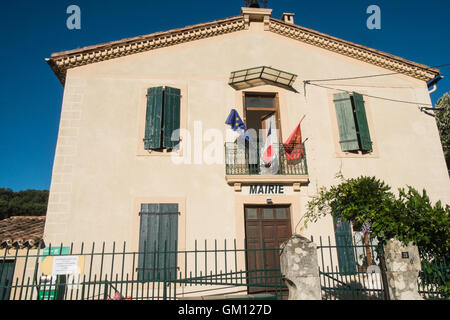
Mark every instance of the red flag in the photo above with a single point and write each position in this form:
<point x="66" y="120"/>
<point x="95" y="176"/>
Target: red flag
<point x="292" y="146"/>
<point x="267" y="155"/>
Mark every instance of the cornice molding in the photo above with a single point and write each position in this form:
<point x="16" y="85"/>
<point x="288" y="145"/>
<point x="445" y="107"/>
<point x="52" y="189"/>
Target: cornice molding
<point x="61" y="62"/>
<point x="353" y="50"/>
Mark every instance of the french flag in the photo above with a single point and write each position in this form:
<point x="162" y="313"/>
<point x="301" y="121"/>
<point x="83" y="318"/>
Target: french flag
<point x="269" y="156"/>
<point x="268" y="148"/>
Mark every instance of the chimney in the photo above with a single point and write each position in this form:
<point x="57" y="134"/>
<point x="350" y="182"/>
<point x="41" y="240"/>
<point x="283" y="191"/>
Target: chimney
<point x="253" y="4"/>
<point x="288" y="17"/>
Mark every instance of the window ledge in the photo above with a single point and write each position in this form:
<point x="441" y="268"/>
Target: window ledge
<point x="344" y="154"/>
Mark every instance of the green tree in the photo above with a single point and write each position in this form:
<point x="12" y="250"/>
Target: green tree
<point x="443" y="124"/>
<point x="409" y="217"/>
<point x="23" y="203"/>
<point x="369" y="202"/>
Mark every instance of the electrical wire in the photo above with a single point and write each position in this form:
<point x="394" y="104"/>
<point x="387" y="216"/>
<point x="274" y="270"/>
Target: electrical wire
<point x="373" y="75"/>
<point x="370" y="96"/>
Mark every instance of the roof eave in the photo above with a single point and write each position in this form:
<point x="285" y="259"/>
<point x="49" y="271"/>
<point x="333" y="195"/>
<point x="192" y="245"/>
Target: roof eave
<point x="62" y="61"/>
<point x="320" y="39"/>
<point x="80" y="57"/>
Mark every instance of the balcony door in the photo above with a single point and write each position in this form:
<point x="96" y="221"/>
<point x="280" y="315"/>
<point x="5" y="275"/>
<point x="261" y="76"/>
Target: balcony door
<point x="259" y="109"/>
<point x="262" y="114"/>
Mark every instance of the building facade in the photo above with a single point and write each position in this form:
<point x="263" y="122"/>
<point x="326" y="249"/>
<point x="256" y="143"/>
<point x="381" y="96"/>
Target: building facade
<point x="123" y="172"/>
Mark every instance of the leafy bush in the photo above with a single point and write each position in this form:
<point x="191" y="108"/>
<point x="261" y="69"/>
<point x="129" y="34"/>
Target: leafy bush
<point x="371" y="207"/>
<point x="369" y="203"/>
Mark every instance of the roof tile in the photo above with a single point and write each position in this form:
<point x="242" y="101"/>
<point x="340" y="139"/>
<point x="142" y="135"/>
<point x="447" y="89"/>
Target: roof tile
<point x="22" y="231"/>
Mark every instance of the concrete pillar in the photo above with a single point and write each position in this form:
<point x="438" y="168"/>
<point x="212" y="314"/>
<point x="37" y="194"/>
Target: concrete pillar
<point x="402" y="270"/>
<point x="300" y="268"/>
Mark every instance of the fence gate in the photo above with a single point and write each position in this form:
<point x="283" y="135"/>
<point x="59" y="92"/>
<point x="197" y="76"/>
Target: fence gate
<point x="351" y="269"/>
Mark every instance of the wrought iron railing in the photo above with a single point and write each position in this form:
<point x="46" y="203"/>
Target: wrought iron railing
<point x="434" y="278"/>
<point x="207" y="269"/>
<point x="351" y="272"/>
<point x="243" y="160"/>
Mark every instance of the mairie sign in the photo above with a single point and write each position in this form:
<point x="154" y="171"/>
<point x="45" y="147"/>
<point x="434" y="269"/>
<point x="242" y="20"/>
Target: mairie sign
<point x="266" y="189"/>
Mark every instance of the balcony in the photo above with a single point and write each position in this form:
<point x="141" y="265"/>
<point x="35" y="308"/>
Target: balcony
<point x="244" y="166"/>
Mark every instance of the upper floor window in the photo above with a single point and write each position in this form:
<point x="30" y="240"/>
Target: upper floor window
<point x="162" y="121"/>
<point x="260" y="101"/>
<point x="352" y="121"/>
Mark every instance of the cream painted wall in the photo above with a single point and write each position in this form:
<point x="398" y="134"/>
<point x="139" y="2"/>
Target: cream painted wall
<point x="98" y="173"/>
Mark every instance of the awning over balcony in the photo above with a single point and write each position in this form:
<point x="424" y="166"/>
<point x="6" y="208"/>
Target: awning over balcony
<point x="259" y="76"/>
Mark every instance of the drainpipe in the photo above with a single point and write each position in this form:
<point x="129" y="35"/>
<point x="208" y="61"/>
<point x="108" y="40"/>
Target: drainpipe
<point x="433" y="83"/>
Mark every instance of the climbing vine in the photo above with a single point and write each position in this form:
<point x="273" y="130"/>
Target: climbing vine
<point x="370" y="205"/>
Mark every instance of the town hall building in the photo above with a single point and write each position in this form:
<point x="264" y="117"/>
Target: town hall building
<point x="218" y="131"/>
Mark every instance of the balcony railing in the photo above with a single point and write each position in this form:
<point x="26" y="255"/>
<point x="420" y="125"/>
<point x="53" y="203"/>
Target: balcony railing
<point x="241" y="160"/>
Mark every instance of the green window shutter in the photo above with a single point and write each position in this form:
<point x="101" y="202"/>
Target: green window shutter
<point x="168" y="231"/>
<point x="6" y="278"/>
<point x="171" y="119"/>
<point x="361" y="118"/>
<point x="346" y="122"/>
<point x="153" y="118"/>
<point x="157" y="259"/>
<point x="148" y="242"/>
<point x="344" y="246"/>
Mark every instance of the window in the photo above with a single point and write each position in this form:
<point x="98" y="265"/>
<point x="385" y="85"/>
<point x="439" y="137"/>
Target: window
<point x="162" y="119"/>
<point x="352" y="121"/>
<point x="260" y="101"/>
<point x="158" y="238"/>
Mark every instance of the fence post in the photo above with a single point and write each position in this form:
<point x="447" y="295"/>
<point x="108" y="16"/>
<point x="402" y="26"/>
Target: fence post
<point x="402" y="270"/>
<point x="300" y="268"/>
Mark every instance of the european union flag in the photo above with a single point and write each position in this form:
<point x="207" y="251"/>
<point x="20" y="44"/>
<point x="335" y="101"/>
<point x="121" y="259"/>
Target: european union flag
<point x="236" y="123"/>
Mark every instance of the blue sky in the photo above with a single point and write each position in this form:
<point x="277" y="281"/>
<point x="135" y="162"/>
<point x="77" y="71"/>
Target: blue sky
<point x="31" y="96"/>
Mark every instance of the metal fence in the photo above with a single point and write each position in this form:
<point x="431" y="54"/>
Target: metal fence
<point x="434" y="278"/>
<point x="356" y="272"/>
<point x="100" y="272"/>
<point x="209" y="270"/>
<point x="351" y="272"/>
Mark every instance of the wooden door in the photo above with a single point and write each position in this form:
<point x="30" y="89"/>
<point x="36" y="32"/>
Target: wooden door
<point x="266" y="227"/>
